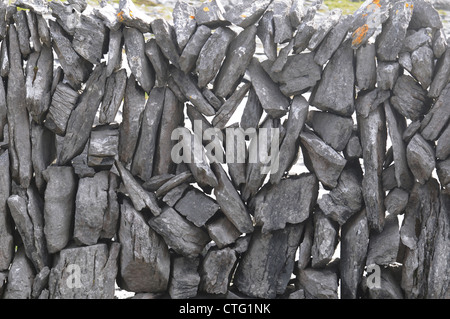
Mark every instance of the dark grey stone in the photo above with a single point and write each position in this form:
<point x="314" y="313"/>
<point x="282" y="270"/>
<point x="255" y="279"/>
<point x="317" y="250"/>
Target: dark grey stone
<point x="20" y="277"/>
<point x="423" y="65"/>
<point x="324" y="28"/>
<point x="441" y="75"/>
<point x="43" y="152"/>
<point x="384" y="247"/>
<point x="281" y="20"/>
<point x="165" y="38"/>
<point x="226" y="111"/>
<point x="443" y="145"/>
<point x="335" y="130"/>
<point x="387" y="74"/>
<point x="211" y="14"/>
<point x="304" y="249"/>
<point x="185" y="279"/>
<point x="252" y="112"/>
<point x="193" y="47"/>
<point x="114" y="93"/>
<point x="416" y="39"/>
<point x="266" y="33"/>
<point x="6" y="227"/>
<point x="184" y="22"/>
<point x="396" y="201"/>
<point x="246" y="12"/>
<point x="103" y="147"/>
<point x="112" y="18"/>
<point x="133" y="17"/>
<point x="409" y="98"/>
<point x="304" y="33"/>
<point x="439" y="43"/>
<point x="424" y="16"/>
<point x="40" y="282"/>
<point x="64" y="101"/>
<point x="175" y="194"/>
<point x="436" y="119"/>
<point x="114" y="52"/>
<point x="23" y="32"/>
<point x="389" y="287"/>
<point x="216" y="270"/>
<point x="369" y="101"/>
<point x="325" y="239"/>
<point x="89" y="38"/>
<point x="421" y="158"/>
<point x="197" y="207"/>
<point x="159" y="62"/>
<point x="318" y="283"/>
<point x="33" y="27"/>
<point x="222" y="231"/>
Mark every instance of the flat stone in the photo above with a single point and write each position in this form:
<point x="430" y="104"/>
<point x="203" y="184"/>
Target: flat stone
<point x="239" y="55"/>
<point x="396" y="201"/>
<point x="159" y="62"/>
<point x="303" y="35"/>
<point x="443" y="145"/>
<point x="109" y="15"/>
<point x="216" y="270"/>
<point x="98" y="267"/>
<point x="436" y="119"/>
<point x="59" y="206"/>
<point x="133" y="107"/>
<point x="184" y="22"/>
<point x="66" y="15"/>
<point x="388" y="178"/>
<point x="164" y="36"/>
<point x="281" y="60"/>
<point x="318" y="284"/>
<point x="197" y="207"/>
<point x="441" y="76"/>
<point x="416" y="39"/>
<point x="137" y="60"/>
<point x="43" y="152"/>
<point x="33" y="27"/>
<point x="20" y="277"/>
<point x="133" y="17"/>
<point x="387" y="75"/>
<point x="23" y="32"/>
<point x="439" y="43"/>
<point x="6" y="228"/>
<point x="425" y="16"/>
<point x="211" y="14"/>
<point x="115" y="47"/>
<point x="370" y="100"/>
<point x="411" y="130"/>
<point x="175" y="194"/>
<point x="353" y="150"/>
<point x="212" y="54"/>
<point x="4" y="59"/>
<point x="335" y="91"/>
<point x="185" y="278"/>
<point x="281" y="20"/>
<point x="324" y="28"/>
<point x="304" y="249"/>
<point x="272" y="99"/>
<point x="404" y="60"/>
<point x="215" y="101"/>
<point x="266" y="33"/>
<point x="3" y="110"/>
<point x="421" y="158"/>
<point x="80" y="162"/>
<point x="333" y="129"/>
<point x="82" y="118"/>
<point x="80" y="5"/>
<point x="263" y="271"/>
<point x="384" y="247"/>
<point x="64" y="101"/>
<point x="145" y="258"/>
<point x="354" y="246"/>
<point x="345" y="199"/>
<point x="409" y="98"/>
<point x="40" y="282"/>
<point x="322" y="159"/>
<point x="179" y="234"/>
<point x="325" y="239"/>
<point x="245" y="13"/>
<point x="228" y="108"/>
<point x="222" y="231"/>
<point x="297" y="12"/>
<point x="252" y="112"/>
<point x="3" y="25"/>
<point x="423" y="65"/>
<point x="34" y="6"/>
<point x="114" y="93"/>
<point x="156" y="181"/>
<point x="193" y="47"/>
<point x="90" y="38"/>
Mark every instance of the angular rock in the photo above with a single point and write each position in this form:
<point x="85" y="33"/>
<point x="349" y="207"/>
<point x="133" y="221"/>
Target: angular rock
<point x="80" y="162"/>
<point x="66" y="15"/>
<point x="354" y="246"/>
<point x="281" y="60"/>
<point x="421" y="158"/>
<point x="304" y="249"/>
<point x="216" y="270"/>
<point x="266" y="33"/>
<point x="436" y="120"/>
<point x="335" y="91"/>
<point x="230" y="202"/>
<point x="266" y="267"/>
<point x="4" y="59"/>
<point x="114" y="52"/>
<point x="137" y="60"/>
<point x="425" y="16"/>
<point x="133" y="17"/>
<point x="443" y="145"/>
<point x="142" y="165"/>
<point x="324" y="28"/>
<point x="34" y="36"/>
<point x="159" y="62"/>
<point x="297" y="12"/>
<point x="353" y="149"/>
<point x="175" y="194"/>
<point x="411" y="130"/>
<point x="59" y="206"/>
<point x="369" y="101"/>
<point x="345" y="199"/>
<point x="196" y="207"/>
<point x="184" y="22"/>
<point x="239" y="55"/>
<point x="388" y="178"/>
<point x="133" y="107"/>
<point x="333" y="129"/>
<point x="325" y="239"/>
<point x="211" y="14"/>
<point x="384" y="247"/>
<point x="3" y="110"/>
<point x="252" y="112"/>
<point x="82" y="118"/>
<point x="441" y="75"/>
<point x="423" y="65"/>
<point x="193" y="47"/>
<point x="274" y="207"/>
<point x="97" y="266"/>
<point x="321" y="159"/>
<point x="23" y="32"/>
<point x="416" y="39"/>
<point x="185" y="278"/>
<point x="64" y="101"/>
<point x="270" y="96"/>
<point x="439" y="43"/>
<point x="40" y="282"/>
<point x="390" y="41"/>
<point x="404" y="60"/>
<point x="3" y="24"/>
<point x="80" y="5"/>
<point x="389" y="287"/>
<point x="212" y="54"/>
<point x="222" y="231"/>
<point x="245" y="12"/>
<point x="110" y="15"/>
<point x="114" y="93"/>
<point x="387" y="75"/>
<point x="89" y="38"/>
<point x="145" y="259"/>
<point x="215" y="101"/>
<point x="20" y="277"/>
<point x="281" y="20"/>
<point x="43" y="30"/>
<point x="165" y="38"/>
<point x="409" y="98"/>
<point x="226" y="111"/>
<point x="76" y="69"/>
<point x="396" y="201"/>
<point x="318" y="284"/>
<point x="6" y="228"/>
<point x="304" y="33"/>
<point x="179" y="234"/>
<point x="443" y="172"/>
<point x="43" y="152"/>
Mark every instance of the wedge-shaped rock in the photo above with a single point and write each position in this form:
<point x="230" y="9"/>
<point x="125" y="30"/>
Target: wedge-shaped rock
<point x="211" y="14"/>
<point x="20" y="277"/>
<point x="441" y="76"/>
<point x="164" y="36"/>
<point x="239" y="55"/>
<point x="171" y="183"/>
<point x="354" y="245"/>
<point x="185" y="279"/>
<point x="43" y="152"/>
<point x="82" y="118"/>
<point x="216" y="270"/>
<point x="409" y="98"/>
<point x="34" y="36"/>
<point x="59" y="206"/>
<point x="3" y="24"/>
<point x="6" y="228"/>
<point x="443" y="145"/>
<point x="114" y="52"/>
<point x="335" y="91"/>
<point x="80" y="162"/>
<point x="228" y="108"/>
<point x="335" y="130"/>
<point x="396" y="201"/>
<point x="325" y="239"/>
<point x="193" y="47"/>
<point x="434" y="122"/>
<point x="384" y="246"/>
<point x="387" y="74"/>
<point x="144" y="154"/>
<point x="246" y="12"/>
<point x="114" y="93"/>
<point x="175" y="194"/>
<point x="274" y="207"/>
<point x="345" y="199"/>
<point x="423" y="65"/>
<point x="324" y="28"/>
<point x="64" y="100"/>
<point x="322" y="159"/>
<point x="252" y="112"/>
<point x="184" y="22"/>
<point x="197" y="207"/>
<point x="264" y="271"/>
<point x="23" y="32"/>
<point x="281" y="20"/>
<point x="416" y="39"/>
<point x="158" y="61"/>
<point x="145" y="259"/>
<point x="222" y="231"/>
<point x="133" y="17"/>
<point x="179" y="234"/>
<point x="97" y="266"/>
<point x="439" y="43"/>
<point x="266" y="33"/>
<point x="76" y="69"/>
<point x="40" y="282"/>
<point x="89" y="38"/>
<point x="318" y="283"/>
<point x="269" y="94"/>
<point x="366" y="69"/>
<point x="137" y="60"/>
<point x="212" y="54"/>
<point x="425" y="15"/>
<point x="66" y="15"/>
<point x="421" y="158"/>
<point x="304" y="33"/>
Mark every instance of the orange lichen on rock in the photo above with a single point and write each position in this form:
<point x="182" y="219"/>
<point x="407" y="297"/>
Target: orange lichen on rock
<point x="377" y="2"/>
<point x="359" y="34"/>
<point x="120" y="16"/>
<point x="192" y="17"/>
<point x="206" y="9"/>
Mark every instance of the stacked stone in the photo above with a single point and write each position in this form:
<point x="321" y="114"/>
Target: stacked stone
<point x="91" y="196"/>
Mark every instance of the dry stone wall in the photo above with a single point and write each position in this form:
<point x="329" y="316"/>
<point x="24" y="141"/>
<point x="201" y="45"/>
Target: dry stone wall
<point x="91" y="196"/>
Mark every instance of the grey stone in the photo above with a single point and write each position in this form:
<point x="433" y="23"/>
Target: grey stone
<point x="322" y="159"/>
<point x="155" y="182"/>
<point x="133" y="17"/>
<point x="396" y="201"/>
<point x="252" y="112"/>
<point x="179" y="234"/>
<point x="111" y="16"/>
<point x="411" y="130"/>
<point x="6" y="227"/>
<point x="384" y="247"/>
<point x="184" y="22"/>
<point x="325" y="239"/>
<point x="211" y="14"/>
<point x="354" y="246"/>
<point x="212" y="54"/>
<point x="165" y="38"/>
<point x="66" y="16"/>
<point x="64" y="101"/>
<point x="345" y="199"/>
<point x="215" y="101"/>
<point x="333" y="129"/>
<point x="369" y="101"/>
<point x="421" y="158"/>
<point x="43" y="152"/>
<point x="297" y="12"/>
<point x="423" y="65"/>
<point x="20" y="277"/>
<point x="281" y="60"/>
<point x="416" y="39"/>
<point x="387" y="74"/>
<point x="388" y="178"/>
<point x="40" y="282"/>
<point x="114" y="93"/>
<point x="159" y="62"/>
<point x="192" y="49"/>
<point x="197" y="207"/>
<point x="144" y="259"/>
<point x="304" y="33"/>
<point x="335" y="91"/>
<point x="266" y="267"/>
<point x="114" y="52"/>
<point x="133" y="107"/>
<point x="174" y="195"/>
<point x="435" y="120"/>
<point x="185" y="278"/>
<point x="216" y="270"/>
<point x="239" y="55"/>
<point x="80" y="5"/>
<point x="76" y="69"/>
<point x="245" y="13"/>
<point x="266" y="33"/>
<point x="353" y="150"/>
<point x="222" y="231"/>
<point x="439" y="43"/>
<point x="230" y="202"/>
<point x="82" y="118"/>
<point x="90" y="38"/>
<point x="424" y="16"/>
<point x="404" y="60"/>
<point x="272" y="99"/>
<point x="318" y="284"/>
<point x="37" y="6"/>
<point x="441" y="75"/>
<point x="226" y="111"/>
<point x="409" y="98"/>
<point x="443" y="145"/>
<point x="4" y="59"/>
<point x="34" y="36"/>
<point x="80" y="162"/>
<point x="142" y="165"/>
<point x="281" y="20"/>
<point x="274" y="207"/>
<point x="3" y="24"/>
<point x="389" y="287"/>
<point x="97" y="266"/>
<point x="137" y="60"/>
<point x="23" y="32"/>
<point x="324" y="28"/>
<point x="304" y="249"/>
